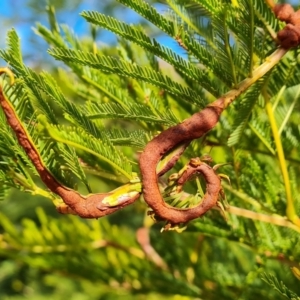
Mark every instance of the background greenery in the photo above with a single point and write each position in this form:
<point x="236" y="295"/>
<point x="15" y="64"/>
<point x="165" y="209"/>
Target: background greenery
<point x="45" y="255"/>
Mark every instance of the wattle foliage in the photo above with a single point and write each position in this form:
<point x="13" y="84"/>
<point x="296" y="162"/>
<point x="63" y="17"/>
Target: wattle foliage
<point x="101" y="109"/>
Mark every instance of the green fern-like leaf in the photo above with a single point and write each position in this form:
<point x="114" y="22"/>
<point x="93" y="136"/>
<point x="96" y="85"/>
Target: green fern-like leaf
<point x="73" y="164"/>
<point x="135" y="35"/>
<point x="135" y="138"/>
<point x="265" y="14"/>
<point x="132" y="111"/>
<point x="124" y="68"/>
<point x="100" y="148"/>
<point x="279" y="286"/>
<point x="244" y="114"/>
<point x="150" y="13"/>
<point x="211" y="6"/>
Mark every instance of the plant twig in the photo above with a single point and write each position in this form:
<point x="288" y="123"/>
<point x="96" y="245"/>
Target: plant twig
<point x="181" y="135"/>
<point x="272" y="219"/>
<point x="290" y="210"/>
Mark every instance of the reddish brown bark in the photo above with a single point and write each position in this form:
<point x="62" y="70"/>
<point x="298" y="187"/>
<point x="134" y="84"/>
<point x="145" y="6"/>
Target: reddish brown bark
<point x="83" y="206"/>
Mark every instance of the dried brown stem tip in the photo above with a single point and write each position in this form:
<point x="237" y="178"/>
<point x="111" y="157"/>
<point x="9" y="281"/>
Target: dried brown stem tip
<point x="283" y="12"/>
<point x="295" y="18"/>
<point x="289" y="36"/>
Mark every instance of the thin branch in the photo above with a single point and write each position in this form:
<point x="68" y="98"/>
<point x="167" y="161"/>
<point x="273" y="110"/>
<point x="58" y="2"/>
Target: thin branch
<point x="272" y="219"/>
<point x="251" y="12"/>
<point x="290" y="210"/>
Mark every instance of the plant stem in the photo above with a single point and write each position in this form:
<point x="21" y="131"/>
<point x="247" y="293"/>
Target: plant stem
<point x="290" y="209"/>
<point x="246" y="198"/>
<point x="228" y="50"/>
<point x="272" y="219"/>
<point x="251" y="14"/>
<point x="258" y="73"/>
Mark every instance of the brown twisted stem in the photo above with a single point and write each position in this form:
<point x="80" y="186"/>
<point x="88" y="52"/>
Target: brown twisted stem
<point x="202" y="122"/>
<point x="182" y="134"/>
<point x="192" y="128"/>
<point x="211" y="178"/>
<point x="84" y="206"/>
<point x="289" y="36"/>
<point x="179" y="137"/>
<point x="143" y="238"/>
